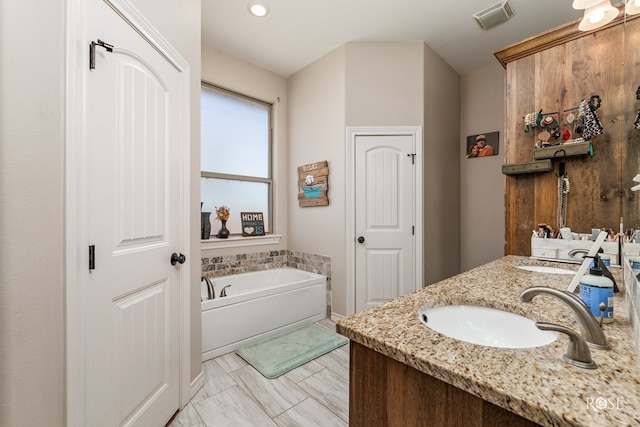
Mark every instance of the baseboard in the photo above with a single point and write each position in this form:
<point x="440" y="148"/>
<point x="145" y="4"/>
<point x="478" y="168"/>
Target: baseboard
<point x="335" y="316"/>
<point x="196" y="385"/>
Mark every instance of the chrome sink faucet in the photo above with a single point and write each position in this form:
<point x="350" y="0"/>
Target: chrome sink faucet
<point x="574" y="252"/>
<point x="578" y="353"/>
<point x="591" y="330"/>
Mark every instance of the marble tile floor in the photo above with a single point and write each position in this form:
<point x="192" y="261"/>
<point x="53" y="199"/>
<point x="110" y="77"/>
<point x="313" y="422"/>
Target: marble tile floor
<point x="235" y="394"/>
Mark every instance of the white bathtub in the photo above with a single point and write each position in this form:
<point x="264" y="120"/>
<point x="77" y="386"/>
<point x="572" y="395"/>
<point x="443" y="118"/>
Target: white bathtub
<point x="258" y="305"/>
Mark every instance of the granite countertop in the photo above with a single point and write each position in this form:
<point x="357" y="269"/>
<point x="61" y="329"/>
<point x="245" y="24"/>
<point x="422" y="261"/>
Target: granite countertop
<point x="535" y="382"/>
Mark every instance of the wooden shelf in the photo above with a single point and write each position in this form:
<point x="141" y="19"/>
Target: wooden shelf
<point x="564" y="150"/>
<point x="529" y="167"/>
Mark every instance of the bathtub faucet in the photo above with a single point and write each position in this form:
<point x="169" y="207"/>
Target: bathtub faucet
<point x="210" y="291"/>
<point x="223" y="292"/>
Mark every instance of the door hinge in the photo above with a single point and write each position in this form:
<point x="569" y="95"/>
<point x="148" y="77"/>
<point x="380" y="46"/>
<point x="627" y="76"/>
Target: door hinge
<point x="413" y="230"/>
<point x="413" y="158"/>
<point x="92" y="257"/>
<point x="92" y="52"/>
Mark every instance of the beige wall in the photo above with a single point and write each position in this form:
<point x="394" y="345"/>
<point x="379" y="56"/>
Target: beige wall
<point x="233" y="74"/>
<point x="441" y="169"/>
<point x="32" y="70"/>
<point x="375" y="84"/>
<point x="482" y="183"/>
<point x="384" y="84"/>
<point x="395" y="84"/>
<point x="387" y="84"/>
<point x="32" y="150"/>
<point x="316" y="133"/>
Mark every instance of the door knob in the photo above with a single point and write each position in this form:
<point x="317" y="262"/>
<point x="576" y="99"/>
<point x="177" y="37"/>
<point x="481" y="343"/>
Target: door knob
<point x="175" y="258"/>
<point x="361" y="239"/>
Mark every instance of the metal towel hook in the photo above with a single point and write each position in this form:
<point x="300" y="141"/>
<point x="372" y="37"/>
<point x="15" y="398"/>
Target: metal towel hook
<point x="560" y="150"/>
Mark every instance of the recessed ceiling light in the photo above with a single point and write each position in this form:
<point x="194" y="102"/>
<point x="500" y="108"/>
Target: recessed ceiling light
<point x="258" y="8"/>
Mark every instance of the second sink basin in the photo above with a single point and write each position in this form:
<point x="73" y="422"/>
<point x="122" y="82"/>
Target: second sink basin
<point x="543" y="269"/>
<point x="485" y="326"/>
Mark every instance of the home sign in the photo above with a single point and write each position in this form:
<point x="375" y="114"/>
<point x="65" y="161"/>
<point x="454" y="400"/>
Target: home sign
<point x="252" y="223"/>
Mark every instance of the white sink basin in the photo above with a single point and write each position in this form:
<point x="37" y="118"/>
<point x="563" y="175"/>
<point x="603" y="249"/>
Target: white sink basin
<point x="485" y="326"/>
<point x="542" y="269"/>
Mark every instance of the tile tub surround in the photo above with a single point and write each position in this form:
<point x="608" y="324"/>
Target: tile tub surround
<point x="225" y="265"/>
<point x="534" y="383"/>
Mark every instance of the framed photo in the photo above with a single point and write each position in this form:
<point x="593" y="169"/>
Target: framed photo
<point x="252" y="223"/>
<point x="483" y="144"/>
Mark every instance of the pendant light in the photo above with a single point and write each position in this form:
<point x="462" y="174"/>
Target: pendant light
<point x="597" y="15"/>
<point x="632" y="7"/>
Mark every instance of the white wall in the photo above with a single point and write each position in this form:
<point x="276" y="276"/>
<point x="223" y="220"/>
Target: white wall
<point x="317" y="133"/>
<point x="32" y="150"/>
<point x="482" y="183"/>
<point x="230" y="73"/>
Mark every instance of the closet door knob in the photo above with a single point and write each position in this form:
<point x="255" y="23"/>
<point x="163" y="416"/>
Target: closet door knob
<point x="361" y="239"/>
<point x="175" y="258"/>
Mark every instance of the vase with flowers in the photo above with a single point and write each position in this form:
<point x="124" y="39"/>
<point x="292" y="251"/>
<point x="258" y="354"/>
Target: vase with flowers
<point x="222" y="214"/>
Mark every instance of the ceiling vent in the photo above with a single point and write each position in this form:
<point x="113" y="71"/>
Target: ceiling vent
<point x="495" y="15"/>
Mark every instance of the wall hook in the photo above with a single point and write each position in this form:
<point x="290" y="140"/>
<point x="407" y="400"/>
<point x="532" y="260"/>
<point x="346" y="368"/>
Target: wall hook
<point x="560" y="150"/>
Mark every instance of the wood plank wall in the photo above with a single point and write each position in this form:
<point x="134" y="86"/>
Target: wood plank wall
<point x="554" y="72"/>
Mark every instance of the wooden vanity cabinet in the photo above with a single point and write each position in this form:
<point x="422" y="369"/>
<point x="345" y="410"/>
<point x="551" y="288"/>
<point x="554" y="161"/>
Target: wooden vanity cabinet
<point x="385" y="392"/>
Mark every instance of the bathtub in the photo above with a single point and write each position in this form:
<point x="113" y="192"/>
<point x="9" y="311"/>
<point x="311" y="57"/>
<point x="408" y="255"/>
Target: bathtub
<point x="258" y="305"/>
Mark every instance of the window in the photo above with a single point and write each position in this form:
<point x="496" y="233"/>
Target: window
<point x="235" y="156"/>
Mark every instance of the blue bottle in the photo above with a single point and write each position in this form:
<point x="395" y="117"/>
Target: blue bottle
<point x="595" y="289"/>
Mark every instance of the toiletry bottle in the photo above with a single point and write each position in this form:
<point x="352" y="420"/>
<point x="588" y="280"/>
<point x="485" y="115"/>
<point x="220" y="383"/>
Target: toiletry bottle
<point x="595" y="289"/>
<point x="635" y="264"/>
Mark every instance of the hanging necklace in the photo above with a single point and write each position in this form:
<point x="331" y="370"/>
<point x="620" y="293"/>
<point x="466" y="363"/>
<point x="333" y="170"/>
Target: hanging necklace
<point x="563" y="198"/>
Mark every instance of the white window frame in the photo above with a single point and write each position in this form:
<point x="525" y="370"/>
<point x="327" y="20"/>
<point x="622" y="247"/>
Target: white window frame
<point x="236" y="240"/>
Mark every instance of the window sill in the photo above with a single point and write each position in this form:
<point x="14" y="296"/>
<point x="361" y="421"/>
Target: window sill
<point x="239" y="241"/>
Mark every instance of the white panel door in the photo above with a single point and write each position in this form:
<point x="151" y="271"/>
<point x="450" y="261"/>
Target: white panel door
<point x="384" y="218"/>
<point x="132" y="298"/>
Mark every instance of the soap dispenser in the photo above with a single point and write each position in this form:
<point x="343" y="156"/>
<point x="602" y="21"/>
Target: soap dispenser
<point x="603" y="261"/>
<point x="596" y="291"/>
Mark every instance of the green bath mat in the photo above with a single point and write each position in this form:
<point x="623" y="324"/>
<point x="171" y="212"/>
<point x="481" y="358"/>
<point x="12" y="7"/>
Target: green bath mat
<point x="280" y="354"/>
